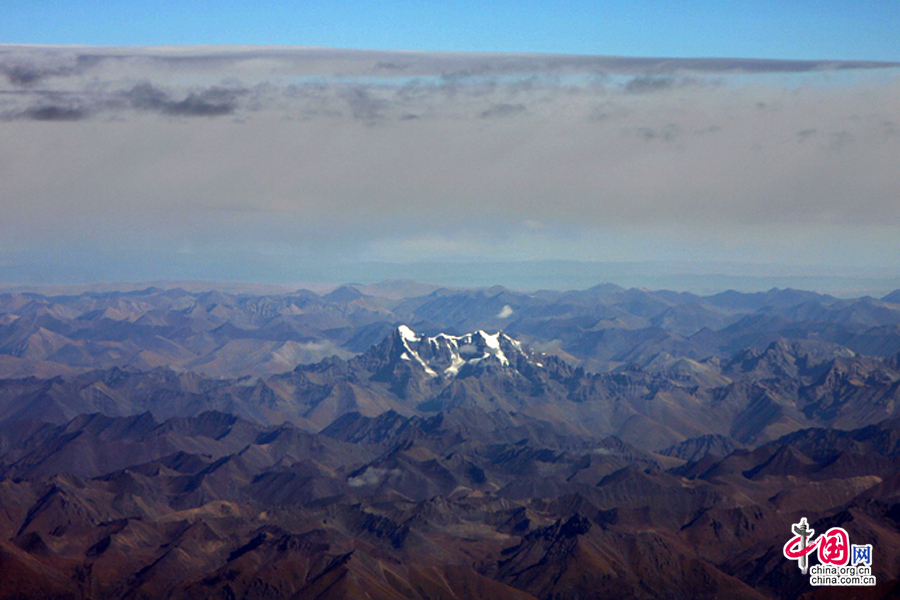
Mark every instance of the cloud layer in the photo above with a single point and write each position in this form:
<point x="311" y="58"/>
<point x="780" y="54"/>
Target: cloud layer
<point x="323" y="156"/>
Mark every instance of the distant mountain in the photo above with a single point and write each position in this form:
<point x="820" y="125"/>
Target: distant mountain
<point x="602" y="328"/>
<point x="893" y="297"/>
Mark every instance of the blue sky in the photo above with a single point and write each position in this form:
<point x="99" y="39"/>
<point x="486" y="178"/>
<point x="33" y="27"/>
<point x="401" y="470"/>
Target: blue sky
<point x="789" y="29"/>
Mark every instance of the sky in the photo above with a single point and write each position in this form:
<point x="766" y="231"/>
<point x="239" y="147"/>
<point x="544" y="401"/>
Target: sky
<point x="357" y="141"/>
<point x="786" y="29"/>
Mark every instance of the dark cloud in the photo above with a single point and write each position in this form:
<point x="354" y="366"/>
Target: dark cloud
<point x="74" y="106"/>
<point x="49" y="106"/>
<point x="389" y="66"/>
<point x="805" y="134"/>
<point x="144" y="96"/>
<point x="363" y="106"/>
<point x="212" y="102"/>
<point x="208" y="103"/>
<point x="49" y="112"/>
<point x="450" y="85"/>
<point x="56" y="113"/>
<point x="753" y="65"/>
<point x="667" y="133"/>
<point x="304" y="90"/>
<point x="22" y="75"/>
<point x="28" y="73"/>
<point x="503" y="110"/>
<point x="414" y="91"/>
<point x="645" y="84"/>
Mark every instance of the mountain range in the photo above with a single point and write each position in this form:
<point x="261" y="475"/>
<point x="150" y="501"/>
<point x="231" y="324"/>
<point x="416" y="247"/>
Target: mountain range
<point x="437" y="443"/>
<point x="233" y="334"/>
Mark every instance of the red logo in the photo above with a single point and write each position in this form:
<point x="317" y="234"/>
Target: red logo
<point x="833" y="545"/>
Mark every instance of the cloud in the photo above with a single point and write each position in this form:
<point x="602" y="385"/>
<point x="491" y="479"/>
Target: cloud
<point x="708" y="130"/>
<point x="208" y="103"/>
<point x="145" y="97"/>
<point x="667" y="133"/>
<point x="55" y="113"/>
<point x="837" y="140"/>
<point x="502" y="110"/>
<point x="505" y="312"/>
<point x="409" y="165"/>
<point x="49" y="107"/>
<point x="211" y="102"/>
<point x="22" y="75"/>
<point x="390" y="65"/>
<point x="607" y="111"/>
<point x="363" y="105"/>
<point x="372" y="476"/>
<point x="27" y="71"/>
<point x="645" y="84"/>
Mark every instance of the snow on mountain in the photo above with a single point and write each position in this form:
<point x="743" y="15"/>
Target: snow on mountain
<point x="446" y="355"/>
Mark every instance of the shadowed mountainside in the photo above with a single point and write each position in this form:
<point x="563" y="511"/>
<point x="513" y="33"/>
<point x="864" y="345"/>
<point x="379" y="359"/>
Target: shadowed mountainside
<point x="462" y="503"/>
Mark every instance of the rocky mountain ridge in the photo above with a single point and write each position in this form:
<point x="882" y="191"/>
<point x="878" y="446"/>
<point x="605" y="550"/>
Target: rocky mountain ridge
<point x="462" y="503"/>
<point x="755" y="396"/>
<point x="602" y="328"/>
<point x="427" y="459"/>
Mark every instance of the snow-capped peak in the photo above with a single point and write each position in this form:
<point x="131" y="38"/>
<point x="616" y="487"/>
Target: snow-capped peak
<point x="446" y="355"/>
<point x="407" y="334"/>
<point x="407" y="337"/>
